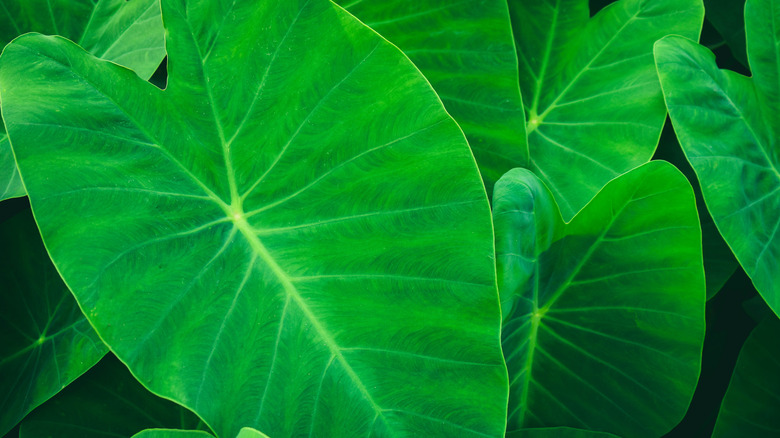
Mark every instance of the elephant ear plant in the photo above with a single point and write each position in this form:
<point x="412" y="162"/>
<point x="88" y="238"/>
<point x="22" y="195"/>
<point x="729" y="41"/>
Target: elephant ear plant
<point x="342" y="219"/>
<point x="291" y="284"/>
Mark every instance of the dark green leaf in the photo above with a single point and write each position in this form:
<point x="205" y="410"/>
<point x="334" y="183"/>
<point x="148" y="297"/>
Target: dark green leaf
<point x="728" y="126"/>
<point x="590" y="89"/>
<point x="465" y="49"/>
<point x="607" y="323"/>
<point x="752" y="402"/>
<point x="728" y="17"/>
<point x="128" y="33"/>
<point x="558" y="432"/>
<point x="172" y="433"/>
<point x="46" y="340"/>
<point x="284" y="238"/>
<point x="105" y="402"/>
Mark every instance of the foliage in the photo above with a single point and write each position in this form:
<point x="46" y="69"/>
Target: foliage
<point x="386" y="218"/>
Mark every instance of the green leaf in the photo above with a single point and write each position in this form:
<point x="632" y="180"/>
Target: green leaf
<point x="465" y="49"/>
<point x="590" y="89"/>
<point x="47" y="342"/>
<point x="128" y="33"/>
<point x="752" y="400"/>
<point x="106" y="401"/>
<point x="606" y="304"/>
<point x="284" y="238"/>
<point x="248" y="432"/>
<point x="728" y="126"/>
<point x="558" y="432"/>
<point x="719" y="261"/>
<point x="728" y="18"/>
<point x="172" y="433"/>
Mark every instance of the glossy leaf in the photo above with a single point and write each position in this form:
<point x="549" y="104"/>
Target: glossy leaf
<point x="172" y="433"/>
<point x="590" y="88"/>
<point x="558" y="432"/>
<point x="465" y="49"/>
<point x="128" y="33"/>
<point x="728" y="126"/>
<point x="604" y="304"/>
<point x="106" y="401"/>
<point x="284" y="238"/>
<point x="752" y="400"/>
<point x="46" y="341"/>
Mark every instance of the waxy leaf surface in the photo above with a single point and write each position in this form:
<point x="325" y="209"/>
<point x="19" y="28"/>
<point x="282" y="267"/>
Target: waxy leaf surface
<point x="128" y="33"/>
<point x="602" y="304"/>
<point x="593" y="104"/>
<point x="293" y="236"/>
<point x="465" y="49"/>
<point x="752" y="400"/>
<point x="729" y="127"/>
<point x="105" y="401"/>
<point x="46" y="340"/>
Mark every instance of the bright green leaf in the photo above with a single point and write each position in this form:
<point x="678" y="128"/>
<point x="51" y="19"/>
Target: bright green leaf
<point x="46" y="341"/>
<point x="465" y="49"/>
<point x="558" y="432"/>
<point x="172" y="433"/>
<point x="590" y="88"/>
<point x="106" y="401"/>
<point x="728" y="126"/>
<point x="284" y="238"/>
<point x="603" y="303"/>
<point x="752" y="400"/>
<point x="128" y="33"/>
<point x="248" y="432"/>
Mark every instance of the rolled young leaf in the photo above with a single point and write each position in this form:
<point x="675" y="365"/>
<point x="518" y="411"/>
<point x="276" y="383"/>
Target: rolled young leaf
<point x="602" y="303"/>
<point x="592" y="98"/>
<point x="465" y="49"/>
<point x="46" y="340"/>
<point x="105" y="401"/>
<point x="729" y="127"/>
<point x="293" y="236"/>
<point x="752" y="400"/>
<point x="128" y="33"/>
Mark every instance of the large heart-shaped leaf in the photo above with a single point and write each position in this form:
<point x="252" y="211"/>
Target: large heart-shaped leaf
<point x="590" y="88"/>
<point x="752" y="400"/>
<point x="601" y="305"/>
<point x="729" y="127"/>
<point x="128" y="33"/>
<point x="105" y="401"/>
<point x="465" y="49"/>
<point x="46" y="341"/>
<point x="293" y="236"/>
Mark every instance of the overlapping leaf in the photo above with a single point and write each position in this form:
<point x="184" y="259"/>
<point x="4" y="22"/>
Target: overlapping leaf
<point x="729" y="127"/>
<point x="128" y="33"/>
<point x="727" y="16"/>
<point x="46" y="341"/>
<point x="285" y="238"/>
<point x="752" y="401"/>
<point x="593" y="103"/>
<point x="465" y="49"/>
<point x="606" y="322"/>
<point x="106" y="401"/>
